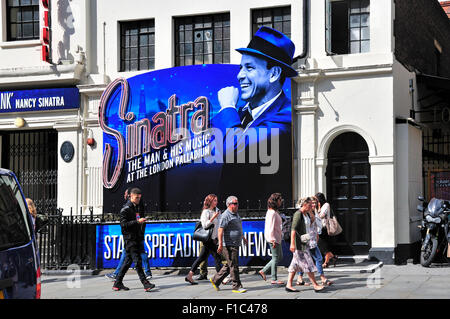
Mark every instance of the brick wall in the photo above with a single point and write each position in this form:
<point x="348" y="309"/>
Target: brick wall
<point x="418" y="23"/>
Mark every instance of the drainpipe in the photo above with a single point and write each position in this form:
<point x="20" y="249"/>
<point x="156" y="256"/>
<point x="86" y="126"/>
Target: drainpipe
<point x="305" y="31"/>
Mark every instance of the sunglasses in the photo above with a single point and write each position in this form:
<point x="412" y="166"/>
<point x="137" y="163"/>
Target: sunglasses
<point x="235" y="203"/>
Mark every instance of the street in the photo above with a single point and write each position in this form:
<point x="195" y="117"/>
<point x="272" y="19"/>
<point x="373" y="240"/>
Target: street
<point x="350" y="282"/>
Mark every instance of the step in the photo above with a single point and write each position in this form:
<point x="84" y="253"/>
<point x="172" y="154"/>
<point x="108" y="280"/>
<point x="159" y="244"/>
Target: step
<point x="358" y="264"/>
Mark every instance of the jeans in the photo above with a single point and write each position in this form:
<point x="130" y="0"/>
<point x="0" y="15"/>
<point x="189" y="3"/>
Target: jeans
<point x="277" y="256"/>
<point x="208" y="248"/>
<point x="317" y="256"/>
<point x="133" y="254"/>
<point x="145" y="263"/>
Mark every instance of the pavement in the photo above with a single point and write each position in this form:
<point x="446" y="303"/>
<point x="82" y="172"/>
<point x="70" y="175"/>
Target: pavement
<point x="359" y="279"/>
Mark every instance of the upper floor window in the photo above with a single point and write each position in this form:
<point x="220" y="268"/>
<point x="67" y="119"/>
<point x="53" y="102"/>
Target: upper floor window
<point x="276" y="18"/>
<point x="347" y="26"/>
<point x="137" y="45"/>
<point x="23" y="20"/>
<point x="202" y="39"/>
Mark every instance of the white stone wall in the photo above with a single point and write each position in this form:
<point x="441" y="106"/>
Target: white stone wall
<point x="363" y="93"/>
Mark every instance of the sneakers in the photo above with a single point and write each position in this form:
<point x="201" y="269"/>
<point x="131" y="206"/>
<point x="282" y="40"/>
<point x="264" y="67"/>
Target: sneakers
<point x="111" y="276"/>
<point x="240" y="290"/>
<point x="214" y="285"/>
<point x="148" y="286"/>
<point x="119" y="286"/>
<point x="148" y="277"/>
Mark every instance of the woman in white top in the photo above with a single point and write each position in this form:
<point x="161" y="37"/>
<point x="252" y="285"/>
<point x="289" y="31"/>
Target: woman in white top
<point x="210" y="215"/>
<point x="324" y="238"/>
<point x="314" y="228"/>
<point x="273" y="235"/>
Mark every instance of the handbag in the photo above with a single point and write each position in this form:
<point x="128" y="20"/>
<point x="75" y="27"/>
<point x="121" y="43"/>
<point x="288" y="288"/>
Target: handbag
<point x="202" y="234"/>
<point x="305" y="238"/>
<point x="333" y="226"/>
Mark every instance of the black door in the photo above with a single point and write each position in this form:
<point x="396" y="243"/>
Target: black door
<point x="32" y="156"/>
<point x="348" y="191"/>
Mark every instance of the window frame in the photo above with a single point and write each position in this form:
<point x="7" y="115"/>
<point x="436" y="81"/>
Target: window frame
<point x="138" y="25"/>
<point x="185" y="32"/>
<point x="271" y="24"/>
<point x="10" y="184"/>
<point x="328" y="27"/>
<point x="35" y="21"/>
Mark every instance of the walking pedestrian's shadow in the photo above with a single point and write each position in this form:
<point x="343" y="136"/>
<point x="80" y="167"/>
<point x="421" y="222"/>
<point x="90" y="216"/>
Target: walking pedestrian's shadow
<point x="344" y="282"/>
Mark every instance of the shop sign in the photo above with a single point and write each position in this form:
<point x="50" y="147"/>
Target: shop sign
<point x="439" y="184"/>
<point x="39" y="100"/>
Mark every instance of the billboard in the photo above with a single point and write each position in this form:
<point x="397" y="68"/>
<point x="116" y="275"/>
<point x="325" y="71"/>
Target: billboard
<point x="170" y="244"/>
<point x="439" y="184"/>
<point x="169" y="133"/>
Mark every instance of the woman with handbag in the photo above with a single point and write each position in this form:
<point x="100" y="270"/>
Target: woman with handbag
<point x="209" y="218"/>
<point x="273" y="235"/>
<point x="324" y="238"/>
<point x="301" y="235"/>
<point x="315" y="229"/>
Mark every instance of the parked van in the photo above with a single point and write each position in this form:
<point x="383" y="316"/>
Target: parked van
<point x="19" y="258"/>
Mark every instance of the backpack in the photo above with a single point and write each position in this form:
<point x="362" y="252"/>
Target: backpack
<point x="286" y="227"/>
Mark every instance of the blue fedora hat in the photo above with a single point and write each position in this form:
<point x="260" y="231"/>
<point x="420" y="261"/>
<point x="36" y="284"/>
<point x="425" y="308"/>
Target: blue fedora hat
<point x="273" y="45"/>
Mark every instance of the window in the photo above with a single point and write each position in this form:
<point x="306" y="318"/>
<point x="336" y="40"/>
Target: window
<point x="14" y="228"/>
<point x="276" y="18"/>
<point x="347" y="26"/>
<point x="23" y="19"/>
<point x="202" y="39"/>
<point x="137" y="45"/>
<point x="437" y="55"/>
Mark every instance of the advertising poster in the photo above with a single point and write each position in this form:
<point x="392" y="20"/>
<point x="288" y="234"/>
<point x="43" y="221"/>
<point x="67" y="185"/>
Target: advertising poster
<point x="166" y="133"/>
<point x="170" y="244"/>
<point x="440" y="185"/>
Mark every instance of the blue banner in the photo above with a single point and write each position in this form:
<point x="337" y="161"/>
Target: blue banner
<point x="39" y="100"/>
<point x="170" y="244"/>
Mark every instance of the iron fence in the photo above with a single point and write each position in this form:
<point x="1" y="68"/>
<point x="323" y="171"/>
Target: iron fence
<point x="64" y="240"/>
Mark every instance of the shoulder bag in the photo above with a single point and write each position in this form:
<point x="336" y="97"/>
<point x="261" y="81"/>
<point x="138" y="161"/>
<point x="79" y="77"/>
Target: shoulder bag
<point x="333" y="226"/>
<point x="202" y="234"/>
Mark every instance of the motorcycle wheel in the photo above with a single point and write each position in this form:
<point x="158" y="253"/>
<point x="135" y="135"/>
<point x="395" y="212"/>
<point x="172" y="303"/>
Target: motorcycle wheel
<point x="428" y="252"/>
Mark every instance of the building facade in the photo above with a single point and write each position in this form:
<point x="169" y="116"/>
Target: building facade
<point x="355" y="137"/>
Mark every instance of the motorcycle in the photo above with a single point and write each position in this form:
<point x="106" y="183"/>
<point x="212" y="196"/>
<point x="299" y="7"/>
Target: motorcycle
<point x="435" y="230"/>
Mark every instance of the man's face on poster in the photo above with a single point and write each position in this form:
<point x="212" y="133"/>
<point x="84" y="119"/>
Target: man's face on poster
<point x="254" y="79"/>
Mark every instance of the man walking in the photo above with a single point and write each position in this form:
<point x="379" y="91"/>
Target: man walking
<point x="144" y="257"/>
<point x="230" y="235"/>
<point x="133" y="228"/>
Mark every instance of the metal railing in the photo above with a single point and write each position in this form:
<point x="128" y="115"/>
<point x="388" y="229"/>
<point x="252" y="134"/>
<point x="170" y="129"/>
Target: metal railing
<point x="64" y="240"/>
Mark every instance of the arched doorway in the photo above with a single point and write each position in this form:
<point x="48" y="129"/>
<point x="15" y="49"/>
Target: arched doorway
<point x="348" y="191"/>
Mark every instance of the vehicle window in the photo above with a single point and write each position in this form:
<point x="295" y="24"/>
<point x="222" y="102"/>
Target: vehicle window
<point x="14" y="228"/>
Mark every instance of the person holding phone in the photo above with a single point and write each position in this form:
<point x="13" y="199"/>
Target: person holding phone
<point x="133" y="227"/>
<point x="210" y="215"/>
<point x="145" y="261"/>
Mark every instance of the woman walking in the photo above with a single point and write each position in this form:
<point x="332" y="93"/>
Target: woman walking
<point x="300" y="237"/>
<point x="324" y="238"/>
<point x="273" y="235"/>
<point x="314" y="228"/>
<point x="210" y="214"/>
